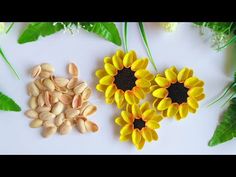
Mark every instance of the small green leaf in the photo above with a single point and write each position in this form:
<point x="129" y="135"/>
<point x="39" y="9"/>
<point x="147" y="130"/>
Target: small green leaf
<point x="106" y="30"/>
<point x="34" y="30"/>
<point x="7" y="104"/>
<point x="226" y="130"/>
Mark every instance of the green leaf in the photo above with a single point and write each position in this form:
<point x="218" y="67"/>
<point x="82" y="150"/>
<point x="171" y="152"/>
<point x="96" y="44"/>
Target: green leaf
<point x="226" y="130"/>
<point x="106" y="30"/>
<point x="7" y="104"/>
<point x="34" y="30"/>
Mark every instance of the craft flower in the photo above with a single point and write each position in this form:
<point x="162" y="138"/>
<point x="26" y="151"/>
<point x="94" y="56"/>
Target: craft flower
<point x="124" y="79"/>
<point x="2" y="27"/>
<point x="169" y="26"/>
<point x="177" y="93"/>
<point x="139" y="124"/>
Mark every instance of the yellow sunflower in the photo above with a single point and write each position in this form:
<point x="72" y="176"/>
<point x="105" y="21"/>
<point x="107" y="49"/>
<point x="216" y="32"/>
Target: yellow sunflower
<point x="124" y="79"/>
<point x="177" y="93"/>
<point x="139" y="124"/>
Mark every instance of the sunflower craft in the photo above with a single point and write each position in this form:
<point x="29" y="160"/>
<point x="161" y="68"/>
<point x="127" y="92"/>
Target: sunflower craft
<point x="124" y="79"/>
<point x="139" y="124"/>
<point x="177" y="93"/>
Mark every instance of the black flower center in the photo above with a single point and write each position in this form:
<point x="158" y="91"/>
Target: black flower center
<point x="178" y="93"/>
<point x="125" y="79"/>
<point x="139" y="123"/>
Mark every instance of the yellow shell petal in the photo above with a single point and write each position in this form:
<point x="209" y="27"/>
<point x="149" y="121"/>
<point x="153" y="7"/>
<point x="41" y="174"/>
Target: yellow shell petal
<point x="120" y="53"/>
<point x="127" y="117"/>
<point x="146" y="134"/>
<point x="110" y="91"/>
<point x="101" y="88"/>
<point x="144" y="63"/>
<point x="200" y="97"/>
<point x="191" y="82"/>
<point x="109" y="100"/>
<point x="119" y="121"/>
<point x="195" y="91"/>
<point x="128" y="108"/>
<point x="171" y="75"/>
<point x="154" y="87"/>
<point x="160" y="93"/>
<point x="124" y="138"/>
<point x="134" y="55"/>
<point x="152" y="124"/>
<point x="136" y="100"/>
<point x="172" y="110"/>
<point x="145" y="106"/>
<point x="106" y="80"/>
<point x="119" y="97"/>
<point x="190" y="73"/>
<point x="138" y="92"/>
<point x="183" y="110"/>
<point x="100" y="73"/>
<point x="107" y="60"/>
<point x="117" y="62"/>
<point x="148" y="114"/>
<point x="141" y="144"/>
<point x="136" y="111"/>
<point x="199" y="84"/>
<point x="136" y="65"/>
<point x="136" y="137"/>
<point x="156" y="102"/>
<point x="142" y="83"/>
<point x="128" y="60"/>
<point x="110" y="69"/>
<point x="192" y="102"/>
<point x="183" y="74"/>
<point x="149" y="77"/>
<point x="146" y="90"/>
<point x="164" y="104"/>
<point x="173" y="68"/>
<point x="126" y="130"/>
<point x="154" y="135"/>
<point x="164" y="113"/>
<point x="129" y="97"/>
<point x="177" y="116"/>
<point x="142" y="73"/>
<point x="192" y="110"/>
<point x="162" y="81"/>
<point x="157" y="118"/>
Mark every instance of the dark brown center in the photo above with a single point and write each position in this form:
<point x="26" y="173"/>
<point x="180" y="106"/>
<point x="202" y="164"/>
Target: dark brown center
<point x="178" y="93"/>
<point x="125" y="79"/>
<point x="139" y="123"/>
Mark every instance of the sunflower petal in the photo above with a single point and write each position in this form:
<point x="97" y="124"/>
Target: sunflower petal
<point x="127" y="117"/>
<point x="154" y="87"/>
<point x="146" y="134"/>
<point x="142" y="73"/>
<point x="149" y="77"/>
<point x="199" y="84"/>
<point x="146" y="90"/>
<point x="126" y="130"/>
<point x="195" y="91"/>
<point x="190" y="82"/>
<point x="100" y="73"/>
<point x="148" y="114"/>
<point x="101" y="88"/>
<point x="119" y="97"/>
<point x="171" y="75"/>
<point x="134" y="55"/>
<point x="120" y="53"/>
<point x="136" y="65"/>
<point x="152" y="124"/>
<point x="190" y="73"/>
<point x="110" y="91"/>
<point x="156" y="102"/>
<point x="200" y="97"/>
<point x="136" y="100"/>
<point x="154" y="135"/>
<point x="136" y="137"/>
<point x="183" y="74"/>
<point x="145" y="106"/>
<point x="173" y="68"/>
<point x="183" y="110"/>
<point x="136" y="111"/>
<point x="192" y="102"/>
<point x="128" y="60"/>
<point x="160" y="93"/>
<point x="164" y="113"/>
<point x="110" y="69"/>
<point x="141" y="144"/>
<point x="106" y="80"/>
<point x="128" y="108"/>
<point x="172" y="110"/>
<point x="138" y="92"/>
<point x="117" y="62"/>
<point x="142" y="83"/>
<point x="144" y="63"/>
<point x="124" y="138"/>
<point x="157" y="118"/>
<point x="107" y="60"/>
<point x="162" y="81"/>
<point x="164" y="104"/>
<point x="177" y="116"/>
<point x="119" y="121"/>
<point x="192" y="110"/>
<point x="129" y="97"/>
<point x="109" y="100"/>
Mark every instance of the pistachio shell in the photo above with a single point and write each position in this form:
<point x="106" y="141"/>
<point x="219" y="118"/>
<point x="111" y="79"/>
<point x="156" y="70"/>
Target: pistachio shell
<point x="36" y="71"/>
<point x="47" y="67"/>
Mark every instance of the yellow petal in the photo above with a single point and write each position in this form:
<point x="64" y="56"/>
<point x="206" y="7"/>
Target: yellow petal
<point x="192" y="102"/>
<point x="138" y="92"/>
<point x="136" y="137"/>
<point x="146" y="90"/>
<point x="200" y="97"/>
<point x="154" y="87"/>
<point x="100" y="73"/>
<point x="173" y="68"/>
<point x="149" y="77"/>
<point x="101" y="88"/>
<point x="110" y="91"/>
<point x="152" y="124"/>
<point x="128" y="60"/>
<point x="142" y="83"/>
<point x="177" y="116"/>
<point x="164" y="104"/>
<point x="199" y="84"/>
<point x="119" y="97"/>
<point x="120" y="53"/>
<point x="145" y="106"/>
<point x="117" y="62"/>
<point x="192" y="110"/>
<point x="126" y="130"/>
<point x="136" y="111"/>
<point x="157" y="118"/>
<point x="190" y="82"/>
<point x="164" y="113"/>
<point x="134" y="55"/>
<point x="127" y="117"/>
<point x="109" y="100"/>
<point x="136" y="65"/>
<point x="156" y="102"/>
<point x="183" y="110"/>
<point x="146" y="134"/>
<point x="119" y="121"/>
<point x="110" y="69"/>
<point x="136" y="100"/>
<point x="160" y="93"/>
<point x="107" y="60"/>
<point x="144" y="63"/>
<point x="171" y="75"/>
<point x="154" y="135"/>
<point x="141" y="144"/>
<point x="129" y="97"/>
<point x="106" y="80"/>
<point x="128" y="108"/>
<point x="195" y="91"/>
<point x="148" y="114"/>
<point x="124" y="138"/>
<point x="190" y="73"/>
<point x="162" y="82"/>
<point x="183" y="74"/>
<point x="142" y="73"/>
<point x="172" y="110"/>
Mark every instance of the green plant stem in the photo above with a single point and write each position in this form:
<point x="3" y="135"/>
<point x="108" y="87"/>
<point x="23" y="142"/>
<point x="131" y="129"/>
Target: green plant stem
<point x="125" y="30"/>
<point x="228" y="99"/>
<point x="8" y="63"/>
<point x="143" y="34"/>
<point x="9" y="28"/>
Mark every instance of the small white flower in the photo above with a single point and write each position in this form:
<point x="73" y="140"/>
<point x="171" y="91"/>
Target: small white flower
<point x="169" y="26"/>
<point x="2" y="27"/>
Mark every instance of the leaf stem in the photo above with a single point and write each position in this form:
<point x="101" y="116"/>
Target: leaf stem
<point x="9" y="28"/>
<point x="145" y="41"/>
<point x="228" y="99"/>
<point x="8" y="63"/>
<point x="125" y="30"/>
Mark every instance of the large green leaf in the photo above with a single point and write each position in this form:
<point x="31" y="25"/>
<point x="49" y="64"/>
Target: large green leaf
<point x="226" y="130"/>
<point x="106" y="30"/>
<point x="34" y="30"/>
<point x="7" y="104"/>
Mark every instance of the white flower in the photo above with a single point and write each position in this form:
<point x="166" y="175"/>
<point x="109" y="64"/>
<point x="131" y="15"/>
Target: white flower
<point x="2" y="27"/>
<point x="169" y="26"/>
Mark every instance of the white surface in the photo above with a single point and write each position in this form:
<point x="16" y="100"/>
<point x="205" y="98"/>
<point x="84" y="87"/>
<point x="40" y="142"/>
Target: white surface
<point x="185" y="47"/>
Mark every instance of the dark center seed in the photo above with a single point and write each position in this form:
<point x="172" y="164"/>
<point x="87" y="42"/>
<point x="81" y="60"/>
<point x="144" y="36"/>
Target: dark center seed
<point x="139" y="123"/>
<point x="125" y="79"/>
<point x="178" y="93"/>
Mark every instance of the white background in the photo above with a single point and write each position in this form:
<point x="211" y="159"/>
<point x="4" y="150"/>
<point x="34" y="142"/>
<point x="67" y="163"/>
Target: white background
<point x="185" y="47"/>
